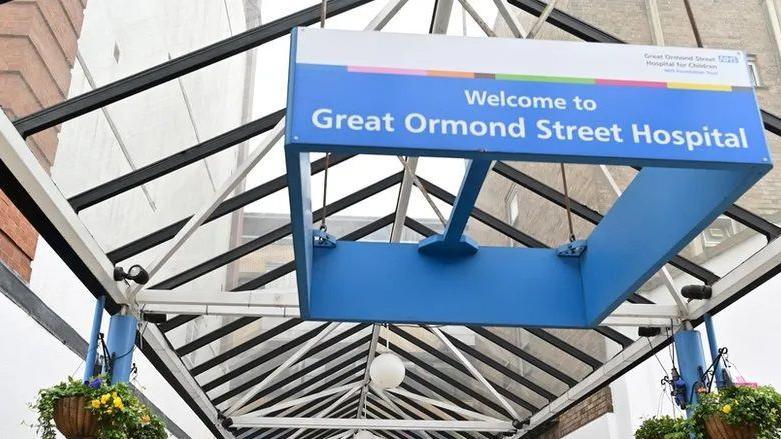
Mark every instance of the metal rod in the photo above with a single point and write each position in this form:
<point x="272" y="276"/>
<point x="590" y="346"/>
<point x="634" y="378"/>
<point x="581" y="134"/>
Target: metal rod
<point x="92" y="349"/>
<point x="423" y="191"/>
<point x="714" y="350"/>
<point x="695" y="28"/>
<point x="567" y="202"/>
<point x="365" y="384"/>
<point x="404" y="195"/>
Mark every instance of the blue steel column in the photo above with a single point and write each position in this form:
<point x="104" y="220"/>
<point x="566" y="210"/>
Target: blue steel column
<point x="92" y="349"/>
<point x="453" y="241"/>
<point x="714" y="350"/>
<point x="691" y="362"/>
<point x="120" y="344"/>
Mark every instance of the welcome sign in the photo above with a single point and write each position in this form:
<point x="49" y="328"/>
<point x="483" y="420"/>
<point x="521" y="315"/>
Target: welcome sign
<point x="547" y="100"/>
<point x="688" y="117"/>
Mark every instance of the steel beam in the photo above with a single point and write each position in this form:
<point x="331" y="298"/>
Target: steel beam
<point x="453" y="381"/>
<point x="425" y="400"/>
<point x="230" y="205"/>
<point x="509" y="17"/>
<point x="298" y="373"/>
<point x="276" y="234"/>
<point x="241" y="406"/>
<point x="208" y="208"/>
<point x="475" y="373"/>
<point x="174" y="162"/>
<point x="378" y="424"/>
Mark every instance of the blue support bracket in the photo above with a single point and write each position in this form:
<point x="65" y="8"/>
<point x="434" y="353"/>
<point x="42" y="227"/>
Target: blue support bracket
<point x="121" y="343"/>
<point x="691" y="363"/>
<point x="92" y="349"/>
<point x="453" y="241"/>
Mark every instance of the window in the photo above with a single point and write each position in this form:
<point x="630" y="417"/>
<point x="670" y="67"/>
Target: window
<point x="753" y="70"/>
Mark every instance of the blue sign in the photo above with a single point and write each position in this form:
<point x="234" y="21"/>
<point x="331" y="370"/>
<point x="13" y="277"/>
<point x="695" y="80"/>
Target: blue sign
<point x="689" y="117"/>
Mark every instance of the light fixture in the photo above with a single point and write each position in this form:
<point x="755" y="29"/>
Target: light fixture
<point x="136" y="273"/>
<point x="387" y="371"/>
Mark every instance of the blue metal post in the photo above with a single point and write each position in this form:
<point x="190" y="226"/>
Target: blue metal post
<point x="691" y="362"/>
<point x="714" y="350"/>
<point x="92" y="349"/>
<point x="453" y="241"/>
<point x="120" y="344"/>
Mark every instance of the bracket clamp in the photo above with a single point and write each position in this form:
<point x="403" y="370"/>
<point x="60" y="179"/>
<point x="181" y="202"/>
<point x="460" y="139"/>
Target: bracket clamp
<point x="572" y="249"/>
<point x="323" y="239"/>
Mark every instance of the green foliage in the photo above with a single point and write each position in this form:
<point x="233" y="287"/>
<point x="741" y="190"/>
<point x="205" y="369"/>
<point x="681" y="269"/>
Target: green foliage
<point x="760" y="407"/>
<point x="662" y="427"/>
<point x="120" y="414"/>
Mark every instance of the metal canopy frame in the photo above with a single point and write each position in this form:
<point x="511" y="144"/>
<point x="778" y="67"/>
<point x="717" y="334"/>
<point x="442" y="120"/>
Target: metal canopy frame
<point x="298" y="397"/>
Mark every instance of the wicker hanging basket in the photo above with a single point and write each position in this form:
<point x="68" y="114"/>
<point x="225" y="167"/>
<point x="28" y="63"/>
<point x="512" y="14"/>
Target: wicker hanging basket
<point x="718" y="428"/>
<point x="74" y="420"/>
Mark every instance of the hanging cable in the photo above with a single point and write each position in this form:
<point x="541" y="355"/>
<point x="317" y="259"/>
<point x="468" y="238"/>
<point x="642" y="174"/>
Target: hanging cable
<point x="323" y="225"/>
<point x="567" y="203"/>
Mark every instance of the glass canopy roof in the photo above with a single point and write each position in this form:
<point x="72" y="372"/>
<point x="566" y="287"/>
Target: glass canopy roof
<point x="147" y="136"/>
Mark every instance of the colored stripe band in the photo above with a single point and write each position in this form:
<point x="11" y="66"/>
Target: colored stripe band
<point x="549" y="79"/>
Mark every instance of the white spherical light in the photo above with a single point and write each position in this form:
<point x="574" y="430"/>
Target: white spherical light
<point x="363" y="434"/>
<point x="387" y="371"/>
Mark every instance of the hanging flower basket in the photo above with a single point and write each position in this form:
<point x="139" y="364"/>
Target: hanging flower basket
<point x="717" y="428"/>
<point x="738" y="413"/>
<point x="74" y="419"/>
<point x="94" y="410"/>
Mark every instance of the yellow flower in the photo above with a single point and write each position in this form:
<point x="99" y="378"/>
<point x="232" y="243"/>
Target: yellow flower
<point x="109" y="411"/>
<point x="726" y="409"/>
<point x="118" y="403"/>
<point x="95" y="403"/>
<point x="114" y="395"/>
<point x="104" y="399"/>
<point x="145" y="419"/>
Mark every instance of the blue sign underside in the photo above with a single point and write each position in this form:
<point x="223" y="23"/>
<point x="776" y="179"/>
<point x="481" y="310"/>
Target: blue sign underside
<point x="357" y="281"/>
<point x="699" y="152"/>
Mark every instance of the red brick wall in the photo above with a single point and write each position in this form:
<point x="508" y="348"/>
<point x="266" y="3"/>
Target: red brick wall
<point x="37" y="50"/>
<point x="579" y="415"/>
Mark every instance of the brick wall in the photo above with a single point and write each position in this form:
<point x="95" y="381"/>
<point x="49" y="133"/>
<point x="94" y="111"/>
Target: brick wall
<point x="581" y="414"/>
<point x="37" y="51"/>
